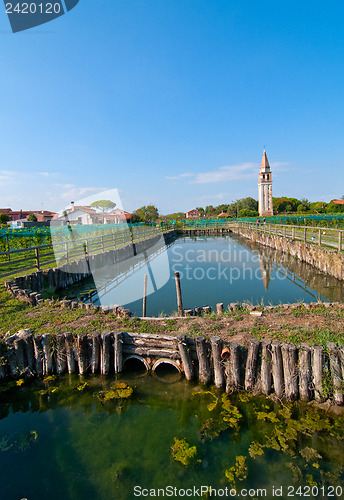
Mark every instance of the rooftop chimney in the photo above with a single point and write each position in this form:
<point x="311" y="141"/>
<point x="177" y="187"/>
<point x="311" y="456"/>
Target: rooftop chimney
<point x="72" y="205"/>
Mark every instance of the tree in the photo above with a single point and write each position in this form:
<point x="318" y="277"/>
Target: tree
<point x="248" y="203"/>
<point x="333" y="208"/>
<point x="209" y="211"/>
<point x="104" y="206"/>
<point x="4" y="218"/>
<point x="175" y="216"/>
<point x="201" y="211"/>
<point x="306" y="203"/>
<point x="284" y="204"/>
<point x="31" y="218"/>
<point x="147" y="213"/>
<point x="245" y="212"/>
<point x="319" y="206"/>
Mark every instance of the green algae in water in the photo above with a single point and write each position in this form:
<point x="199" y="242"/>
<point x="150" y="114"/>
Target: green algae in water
<point x="182" y="452"/>
<point x="85" y="448"/>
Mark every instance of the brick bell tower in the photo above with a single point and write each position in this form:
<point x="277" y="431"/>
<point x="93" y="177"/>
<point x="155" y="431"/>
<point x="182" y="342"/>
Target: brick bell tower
<point x="265" y="188"/>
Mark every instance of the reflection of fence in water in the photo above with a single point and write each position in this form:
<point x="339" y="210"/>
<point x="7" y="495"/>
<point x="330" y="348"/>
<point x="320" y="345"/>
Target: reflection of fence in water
<point x="300" y="283"/>
<point x="267" y="262"/>
<point x="120" y="278"/>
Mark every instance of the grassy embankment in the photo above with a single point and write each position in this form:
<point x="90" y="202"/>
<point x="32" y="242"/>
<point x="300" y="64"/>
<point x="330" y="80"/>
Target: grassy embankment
<point x="318" y="325"/>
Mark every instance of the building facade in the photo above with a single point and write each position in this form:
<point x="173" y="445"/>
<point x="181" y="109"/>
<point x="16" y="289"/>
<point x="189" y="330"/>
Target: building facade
<point x="265" y="206"/>
<point x="193" y="214"/>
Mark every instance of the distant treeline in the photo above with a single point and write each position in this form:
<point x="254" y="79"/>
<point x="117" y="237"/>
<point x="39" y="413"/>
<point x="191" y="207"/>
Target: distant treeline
<point x="244" y="207"/>
<point x="248" y="207"/>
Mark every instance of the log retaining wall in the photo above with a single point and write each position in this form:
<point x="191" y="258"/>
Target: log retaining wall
<point x="326" y="260"/>
<point x="281" y="370"/>
<point x="59" y="278"/>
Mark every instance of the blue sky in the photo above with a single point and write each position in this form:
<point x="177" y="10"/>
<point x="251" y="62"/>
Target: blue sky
<point x="172" y="103"/>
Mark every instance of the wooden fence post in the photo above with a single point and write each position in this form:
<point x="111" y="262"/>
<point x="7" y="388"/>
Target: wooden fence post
<point x="265" y="369"/>
<point x="339" y="241"/>
<point x="37" y="258"/>
<point x="203" y="363"/>
<point x="289" y="356"/>
<point x="336" y="373"/>
<point x="219" y="374"/>
<point x="251" y="365"/>
<point x="317" y="365"/>
<point x="305" y="235"/>
<point x="144" y="300"/>
<point x="8" y="247"/>
<point x="69" y="339"/>
<point x="118" y="352"/>
<point x="277" y="368"/>
<point x="232" y="369"/>
<point x="179" y="293"/>
<point x="319" y="237"/>
<point x="185" y="356"/>
<point x="305" y="373"/>
<point x="293" y="233"/>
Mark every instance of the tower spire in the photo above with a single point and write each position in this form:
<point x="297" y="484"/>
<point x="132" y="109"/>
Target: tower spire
<point x="265" y="188"/>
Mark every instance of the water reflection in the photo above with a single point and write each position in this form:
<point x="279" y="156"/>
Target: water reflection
<point x="214" y="269"/>
<point x="67" y="443"/>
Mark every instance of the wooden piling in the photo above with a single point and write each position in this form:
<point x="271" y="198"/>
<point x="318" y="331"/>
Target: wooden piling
<point x="290" y="372"/>
<point x="29" y="351"/>
<point x="219" y="308"/>
<point x="341" y="357"/>
<point x="188" y="312"/>
<point x="95" y="356"/>
<point x="47" y="354"/>
<point x="251" y="365"/>
<point x="105" y="346"/>
<point x="61" y="363"/>
<point x="219" y="372"/>
<point x="185" y="356"/>
<point x="204" y="372"/>
<point x="118" y="352"/>
<point x="81" y="349"/>
<point x="179" y="293"/>
<point x="144" y="300"/>
<point x="206" y="309"/>
<point x="12" y="360"/>
<point x="265" y="368"/>
<point x="305" y="373"/>
<point x="3" y="371"/>
<point x="232" y="368"/>
<point x="198" y="311"/>
<point x="20" y="355"/>
<point x="38" y="352"/>
<point x="318" y="372"/>
<point x="70" y="352"/>
<point x="336" y="373"/>
<point x="277" y="368"/>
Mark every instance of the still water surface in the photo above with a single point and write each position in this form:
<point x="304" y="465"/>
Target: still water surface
<point x="59" y="441"/>
<point x="213" y="269"/>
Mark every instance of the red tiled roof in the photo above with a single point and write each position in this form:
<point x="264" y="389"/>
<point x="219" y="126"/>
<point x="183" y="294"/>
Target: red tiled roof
<point x="338" y="202"/>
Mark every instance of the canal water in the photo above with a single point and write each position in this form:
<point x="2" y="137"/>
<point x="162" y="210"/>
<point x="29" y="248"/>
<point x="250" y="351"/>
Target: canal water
<point x="212" y="269"/>
<point x="67" y="439"/>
